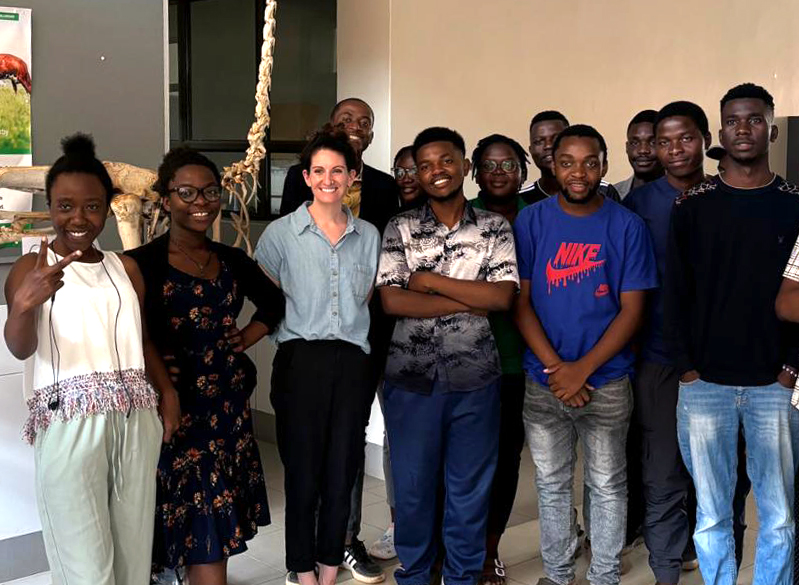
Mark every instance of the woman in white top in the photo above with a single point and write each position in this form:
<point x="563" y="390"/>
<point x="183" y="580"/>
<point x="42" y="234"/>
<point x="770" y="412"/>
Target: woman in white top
<point x="75" y="312"/>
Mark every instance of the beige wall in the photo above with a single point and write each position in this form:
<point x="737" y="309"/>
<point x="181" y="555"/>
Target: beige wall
<point x="364" y="68"/>
<point x="483" y="67"/>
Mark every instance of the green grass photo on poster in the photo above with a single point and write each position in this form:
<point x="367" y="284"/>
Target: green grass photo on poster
<point x="15" y="120"/>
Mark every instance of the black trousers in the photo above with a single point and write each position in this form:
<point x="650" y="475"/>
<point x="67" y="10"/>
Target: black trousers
<point x="636" y="506"/>
<point x="381" y="328"/>
<point x="669" y="502"/>
<point x="511" y="443"/>
<point x="319" y="393"/>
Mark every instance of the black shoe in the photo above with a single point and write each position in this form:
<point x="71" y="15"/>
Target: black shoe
<point x="360" y="564"/>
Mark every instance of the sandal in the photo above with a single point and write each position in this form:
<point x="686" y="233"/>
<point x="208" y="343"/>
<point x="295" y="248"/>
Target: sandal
<point x="493" y="575"/>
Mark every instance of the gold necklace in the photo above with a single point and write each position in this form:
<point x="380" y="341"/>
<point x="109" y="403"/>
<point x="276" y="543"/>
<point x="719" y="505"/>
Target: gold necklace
<point x="200" y="267"/>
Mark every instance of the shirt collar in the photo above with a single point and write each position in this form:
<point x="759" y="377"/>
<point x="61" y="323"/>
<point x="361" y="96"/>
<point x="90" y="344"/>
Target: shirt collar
<point x="540" y="188"/>
<point x="302" y="220"/>
<point x="427" y="215"/>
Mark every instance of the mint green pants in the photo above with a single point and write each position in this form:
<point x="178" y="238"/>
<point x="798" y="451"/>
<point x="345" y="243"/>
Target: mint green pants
<point x="95" y="486"/>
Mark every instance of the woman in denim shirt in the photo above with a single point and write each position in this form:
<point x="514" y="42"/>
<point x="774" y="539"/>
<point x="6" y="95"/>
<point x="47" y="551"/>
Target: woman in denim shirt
<point x="324" y="259"/>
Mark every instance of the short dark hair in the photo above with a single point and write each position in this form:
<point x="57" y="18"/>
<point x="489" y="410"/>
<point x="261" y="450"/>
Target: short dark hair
<point x="79" y="157"/>
<point x="176" y="159"/>
<point x="686" y="110"/>
<point x="438" y="134"/>
<point x="547" y="115"/>
<point x="351" y="99"/>
<point x="748" y="91"/>
<point x="328" y="138"/>
<point x="643" y="117"/>
<point x="483" y="145"/>
<point x="581" y="131"/>
<point x="402" y="152"/>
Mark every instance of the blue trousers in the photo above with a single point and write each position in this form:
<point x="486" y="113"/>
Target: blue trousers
<point x="454" y="435"/>
<point x="708" y="420"/>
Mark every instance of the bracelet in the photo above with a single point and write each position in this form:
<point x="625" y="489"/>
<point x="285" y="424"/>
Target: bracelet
<point x="791" y="370"/>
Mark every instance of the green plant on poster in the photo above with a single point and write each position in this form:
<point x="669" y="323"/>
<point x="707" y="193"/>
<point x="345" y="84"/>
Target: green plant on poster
<point x="15" y="121"/>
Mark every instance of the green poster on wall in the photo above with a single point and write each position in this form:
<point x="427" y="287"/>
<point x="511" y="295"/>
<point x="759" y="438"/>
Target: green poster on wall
<point x="15" y="101"/>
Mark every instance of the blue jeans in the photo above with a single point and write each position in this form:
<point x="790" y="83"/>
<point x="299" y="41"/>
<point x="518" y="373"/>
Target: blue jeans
<point x="552" y="432"/>
<point x="449" y="434"/>
<point x="708" y="420"/>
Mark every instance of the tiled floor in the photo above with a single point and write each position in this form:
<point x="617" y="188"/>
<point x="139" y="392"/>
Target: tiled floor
<point x="262" y="564"/>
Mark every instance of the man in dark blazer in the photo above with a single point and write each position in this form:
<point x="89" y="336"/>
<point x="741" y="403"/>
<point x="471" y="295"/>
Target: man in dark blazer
<point x="374" y="196"/>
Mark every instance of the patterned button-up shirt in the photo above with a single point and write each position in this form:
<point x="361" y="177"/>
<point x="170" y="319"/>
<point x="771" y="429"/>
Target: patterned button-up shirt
<point x="792" y="273"/>
<point x="455" y="351"/>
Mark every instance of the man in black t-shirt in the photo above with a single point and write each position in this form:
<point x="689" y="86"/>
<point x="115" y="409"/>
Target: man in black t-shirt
<point x="730" y="239"/>
<point x="544" y="128"/>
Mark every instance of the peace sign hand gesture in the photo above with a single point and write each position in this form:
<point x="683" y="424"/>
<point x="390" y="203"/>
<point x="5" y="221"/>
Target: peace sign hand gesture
<point x="43" y="280"/>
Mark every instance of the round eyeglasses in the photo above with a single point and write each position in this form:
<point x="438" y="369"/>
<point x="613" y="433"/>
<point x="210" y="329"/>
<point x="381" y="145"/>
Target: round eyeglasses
<point x="187" y="193"/>
<point x="507" y="166"/>
<point x="401" y="172"/>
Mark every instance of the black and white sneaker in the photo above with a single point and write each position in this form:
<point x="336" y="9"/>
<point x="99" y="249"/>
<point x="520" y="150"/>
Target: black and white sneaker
<point x="361" y="565"/>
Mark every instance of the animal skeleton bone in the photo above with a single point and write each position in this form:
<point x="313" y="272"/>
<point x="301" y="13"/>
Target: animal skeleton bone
<point x="133" y="194"/>
<point x="135" y="204"/>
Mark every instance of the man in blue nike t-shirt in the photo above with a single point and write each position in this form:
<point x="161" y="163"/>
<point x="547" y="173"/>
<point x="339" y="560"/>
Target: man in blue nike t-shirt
<point x="584" y="264"/>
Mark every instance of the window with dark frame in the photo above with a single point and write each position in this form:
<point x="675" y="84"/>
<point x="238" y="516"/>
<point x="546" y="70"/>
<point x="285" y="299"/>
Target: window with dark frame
<point x="214" y="53"/>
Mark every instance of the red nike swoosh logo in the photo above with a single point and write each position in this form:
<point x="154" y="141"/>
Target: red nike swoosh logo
<point x="558" y="276"/>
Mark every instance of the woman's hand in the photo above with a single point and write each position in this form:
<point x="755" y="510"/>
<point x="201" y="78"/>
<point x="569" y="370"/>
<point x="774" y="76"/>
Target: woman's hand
<point x="242" y="339"/>
<point x="169" y="409"/>
<point x="42" y="282"/>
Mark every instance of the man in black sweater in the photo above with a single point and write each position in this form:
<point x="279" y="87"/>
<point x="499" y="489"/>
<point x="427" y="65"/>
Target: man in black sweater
<point x="729" y="241"/>
<point x="374" y="197"/>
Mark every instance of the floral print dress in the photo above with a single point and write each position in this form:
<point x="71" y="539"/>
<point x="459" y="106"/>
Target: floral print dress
<point x="211" y="495"/>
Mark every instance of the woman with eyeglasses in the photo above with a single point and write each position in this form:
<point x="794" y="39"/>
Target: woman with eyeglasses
<point x="211" y="495"/>
<point x="404" y="171"/>
<point x="500" y="169"/>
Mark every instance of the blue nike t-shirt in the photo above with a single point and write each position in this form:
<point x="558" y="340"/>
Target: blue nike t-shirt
<point x="578" y="267"/>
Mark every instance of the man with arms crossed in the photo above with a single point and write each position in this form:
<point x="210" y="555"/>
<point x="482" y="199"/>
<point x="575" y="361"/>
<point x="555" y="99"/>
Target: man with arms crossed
<point x="443" y="267"/>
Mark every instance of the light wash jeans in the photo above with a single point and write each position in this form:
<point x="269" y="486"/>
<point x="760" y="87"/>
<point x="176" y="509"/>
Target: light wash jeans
<point x="708" y="419"/>
<point x="552" y="431"/>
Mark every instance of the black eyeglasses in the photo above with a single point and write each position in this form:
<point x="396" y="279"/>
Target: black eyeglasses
<point x="187" y="193"/>
<point x="507" y="166"/>
<point x="401" y="172"/>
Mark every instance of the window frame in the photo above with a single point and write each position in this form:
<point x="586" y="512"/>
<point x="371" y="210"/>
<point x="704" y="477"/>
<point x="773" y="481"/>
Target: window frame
<point x="263" y="209"/>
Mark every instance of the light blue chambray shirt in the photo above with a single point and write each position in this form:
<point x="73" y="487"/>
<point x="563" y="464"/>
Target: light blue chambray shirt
<point x="326" y="286"/>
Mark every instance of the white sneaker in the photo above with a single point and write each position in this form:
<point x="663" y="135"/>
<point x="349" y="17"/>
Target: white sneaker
<point x="383" y="548"/>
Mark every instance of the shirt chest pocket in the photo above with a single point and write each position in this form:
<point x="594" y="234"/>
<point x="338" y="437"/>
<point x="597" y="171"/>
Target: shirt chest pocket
<point x="359" y="279"/>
